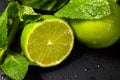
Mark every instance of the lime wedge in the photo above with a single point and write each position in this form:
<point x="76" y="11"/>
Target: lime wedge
<point x="47" y="42"/>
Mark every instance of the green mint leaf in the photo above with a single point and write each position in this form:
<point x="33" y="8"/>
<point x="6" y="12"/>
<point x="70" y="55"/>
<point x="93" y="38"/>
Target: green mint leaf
<point x="15" y="66"/>
<point x="4" y="29"/>
<point x="27" y="14"/>
<point x="3" y="32"/>
<point x="50" y="5"/>
<point x="12" y="10"/>
<point x="85" y="9"/>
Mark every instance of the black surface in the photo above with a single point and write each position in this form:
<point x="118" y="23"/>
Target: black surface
<point x="83" y="64"/>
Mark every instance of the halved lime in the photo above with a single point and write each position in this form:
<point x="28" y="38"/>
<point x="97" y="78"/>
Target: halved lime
<point x="47" y="42"/>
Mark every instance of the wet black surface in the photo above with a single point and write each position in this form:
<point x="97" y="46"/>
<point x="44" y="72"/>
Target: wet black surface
<point x="83" y="64"/>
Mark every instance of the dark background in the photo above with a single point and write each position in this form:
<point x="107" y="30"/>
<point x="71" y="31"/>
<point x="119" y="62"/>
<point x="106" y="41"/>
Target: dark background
<point x="82" y="64"/>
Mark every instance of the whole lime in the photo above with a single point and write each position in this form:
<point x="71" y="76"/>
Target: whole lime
<point x="99" y="33"/>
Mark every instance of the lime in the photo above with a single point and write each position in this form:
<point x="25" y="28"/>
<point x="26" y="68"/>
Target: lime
<point x="99" y="33"/>
<point x="48" y="42"/>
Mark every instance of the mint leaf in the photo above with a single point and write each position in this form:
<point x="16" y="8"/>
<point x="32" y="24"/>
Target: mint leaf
<point x="27" y="14"/>
<point x="50" y="5"/>
<point x="11" y="11"/>
<point x="3" y="32"/>
<point x="15" y="66"/>
<point x="85" y="9"/>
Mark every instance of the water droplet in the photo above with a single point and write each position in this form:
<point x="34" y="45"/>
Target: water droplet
<point x="86" y="69"/>
<point x="98" y="66"/>
<point x="76" y="75"/>
<point x="2" y="76"/>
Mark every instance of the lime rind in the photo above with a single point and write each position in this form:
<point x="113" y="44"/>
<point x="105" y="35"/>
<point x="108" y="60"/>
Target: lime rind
<point x="24" y="38"/>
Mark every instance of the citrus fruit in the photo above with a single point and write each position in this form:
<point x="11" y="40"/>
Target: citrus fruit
<point x="48" y="42"/>
<point x="99" y="33"/>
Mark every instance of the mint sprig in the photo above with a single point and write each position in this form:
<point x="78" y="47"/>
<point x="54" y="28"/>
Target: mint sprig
<point x="14" y="18"/>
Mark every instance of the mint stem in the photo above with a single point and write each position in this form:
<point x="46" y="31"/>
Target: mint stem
<point x="13" y="31"/>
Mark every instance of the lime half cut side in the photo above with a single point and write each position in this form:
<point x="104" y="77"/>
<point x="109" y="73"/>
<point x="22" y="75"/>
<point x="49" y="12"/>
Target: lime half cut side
<point x="48" y="42"/>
